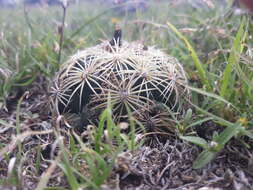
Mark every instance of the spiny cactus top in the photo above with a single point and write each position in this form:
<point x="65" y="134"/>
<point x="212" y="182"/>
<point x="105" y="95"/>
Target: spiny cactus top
<point x="134" y="76"/>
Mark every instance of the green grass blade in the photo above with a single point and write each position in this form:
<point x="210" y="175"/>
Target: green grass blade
<point x="68" y="171"/>
<point x="215" y="117"/>
<point x="99" y="133"/>
<point x="217" y="97"/>
<point x="233" y="59"/>
<point x="247" y="133"/>
<point x="198" y="65"/>
<point x="204" y="158"/>
<point x="199" y="122"/>
<point x="195" y="140"/>
<point x="227" y="134"/>
<point x="55" y="188"/>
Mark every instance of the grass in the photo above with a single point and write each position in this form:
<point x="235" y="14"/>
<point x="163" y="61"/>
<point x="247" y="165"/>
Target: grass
<point x="214" y="49"/>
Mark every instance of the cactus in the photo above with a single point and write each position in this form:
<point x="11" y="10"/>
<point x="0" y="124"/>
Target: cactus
<point x="134" y="76"/>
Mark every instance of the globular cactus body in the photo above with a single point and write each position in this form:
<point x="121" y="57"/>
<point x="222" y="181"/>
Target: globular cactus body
<point x="134" y="76"/>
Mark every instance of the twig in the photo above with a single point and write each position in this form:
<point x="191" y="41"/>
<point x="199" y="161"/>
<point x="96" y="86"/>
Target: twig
<point x="61" y="30"/>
